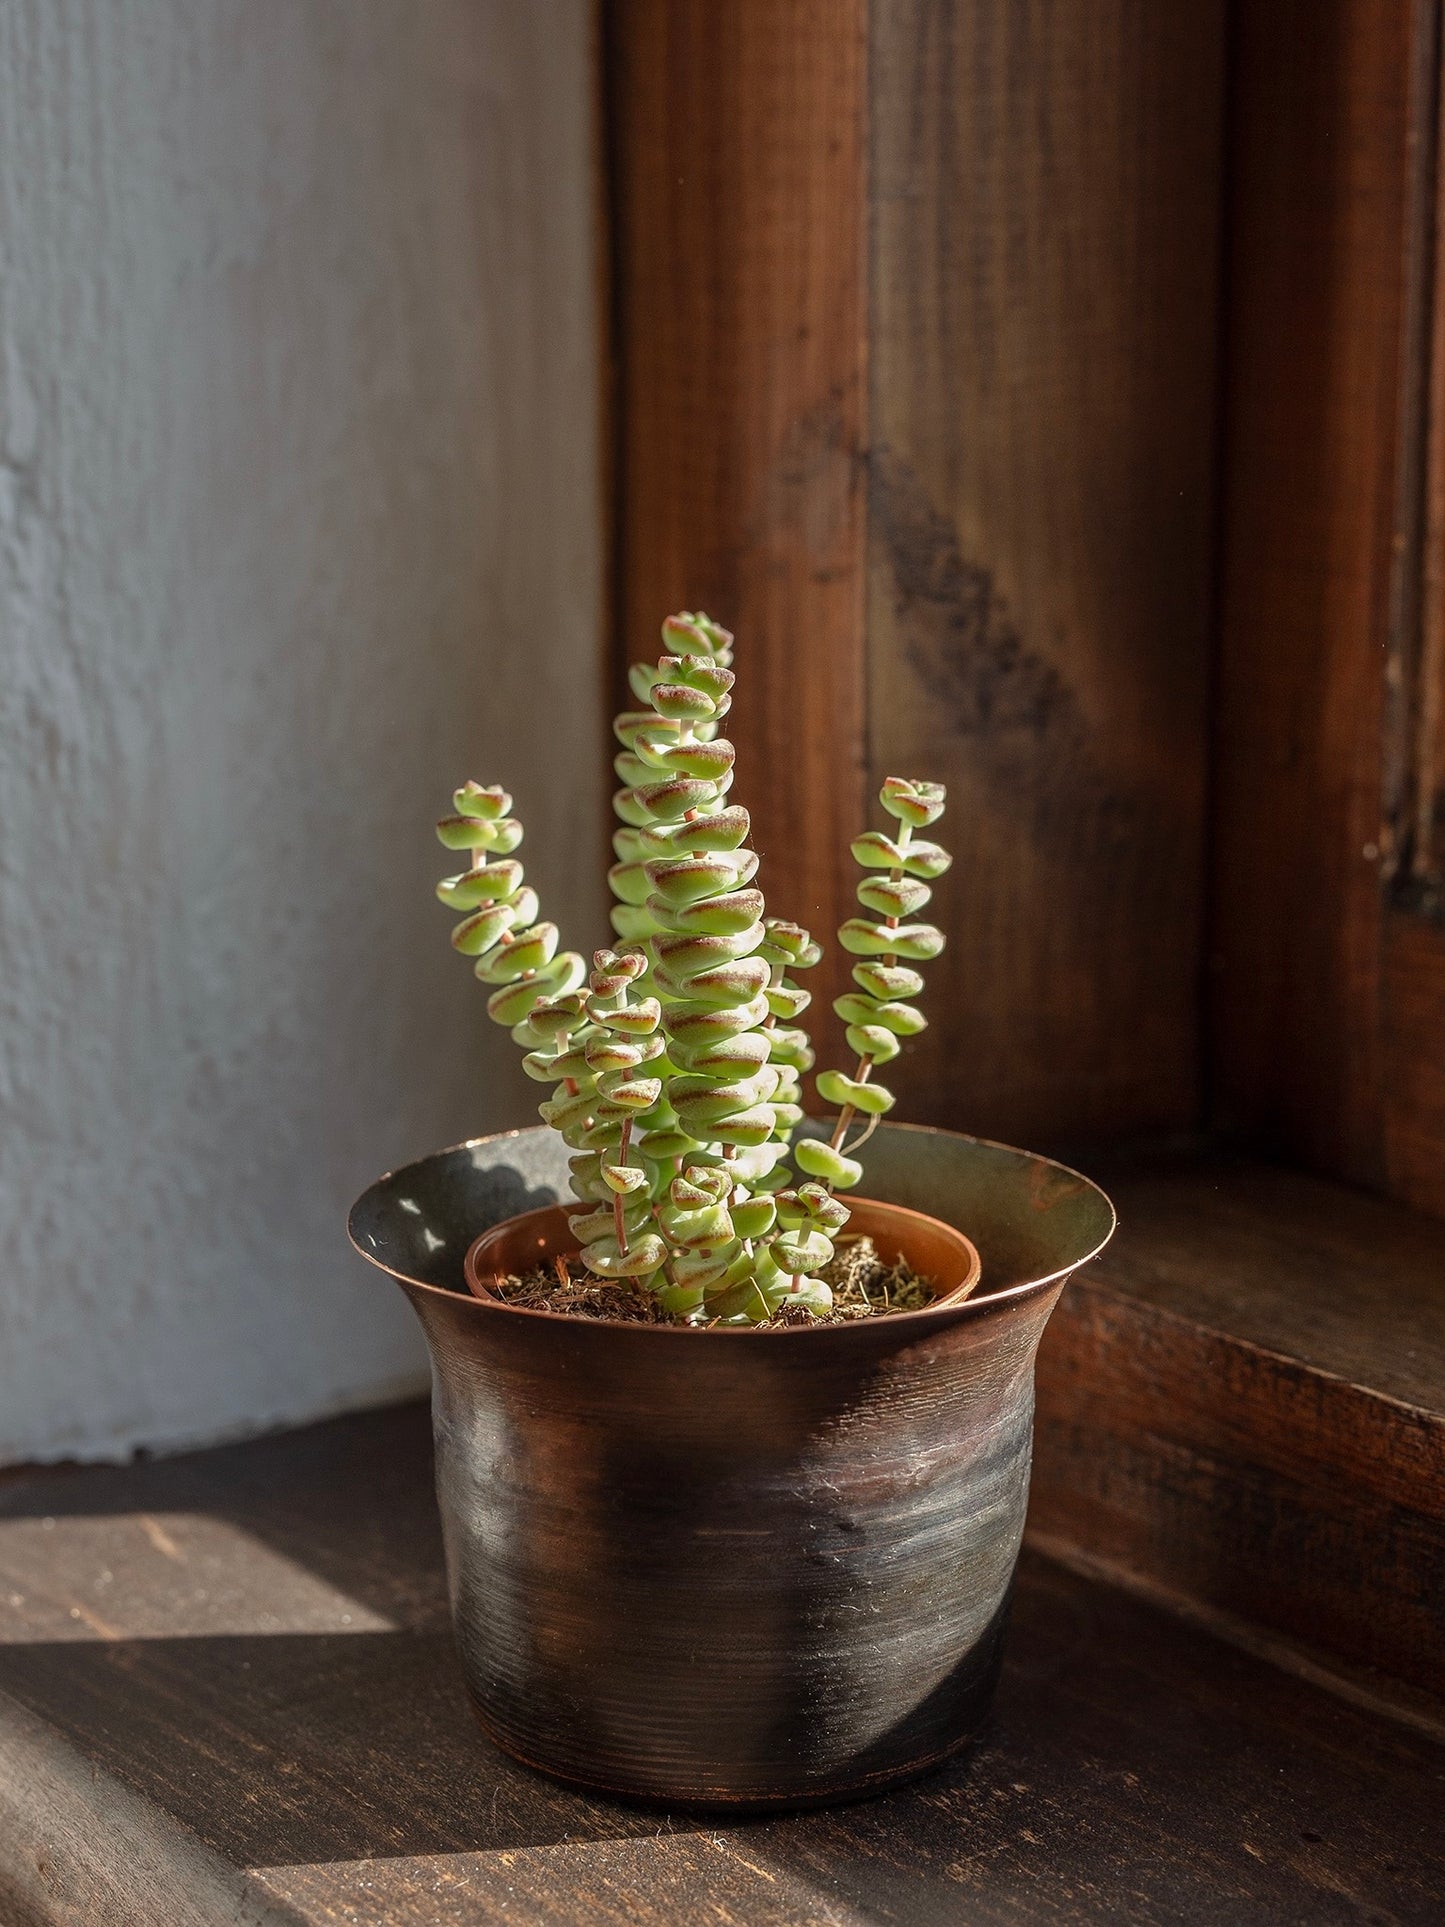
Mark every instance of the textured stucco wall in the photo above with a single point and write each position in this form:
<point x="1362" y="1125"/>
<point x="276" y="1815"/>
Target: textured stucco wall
<point x="298" y="522"/>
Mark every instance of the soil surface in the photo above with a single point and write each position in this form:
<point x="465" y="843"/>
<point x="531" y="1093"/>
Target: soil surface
<point x="863" y="1287"/>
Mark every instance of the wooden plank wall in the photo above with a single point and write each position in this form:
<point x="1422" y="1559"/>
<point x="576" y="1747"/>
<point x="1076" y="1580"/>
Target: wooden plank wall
<point x="1023" y="262"/>
<point x="737" y="188"/>
<point x="1045" y="193"/>
<point x="1329" y="1005"/>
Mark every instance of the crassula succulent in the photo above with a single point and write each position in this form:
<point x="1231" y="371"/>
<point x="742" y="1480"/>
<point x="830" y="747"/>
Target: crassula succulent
<point x="676" y="1060"/>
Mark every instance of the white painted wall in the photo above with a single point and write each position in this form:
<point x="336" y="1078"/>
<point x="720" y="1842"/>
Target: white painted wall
<point x="298" y="526"/>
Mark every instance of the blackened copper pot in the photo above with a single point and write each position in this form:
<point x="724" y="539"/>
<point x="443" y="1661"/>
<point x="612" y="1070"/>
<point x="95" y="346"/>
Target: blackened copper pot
<point x="734" y="1568"/>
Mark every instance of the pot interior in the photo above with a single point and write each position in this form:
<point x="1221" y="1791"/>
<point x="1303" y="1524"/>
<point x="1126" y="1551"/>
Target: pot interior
<point x="1031" y="1219"/>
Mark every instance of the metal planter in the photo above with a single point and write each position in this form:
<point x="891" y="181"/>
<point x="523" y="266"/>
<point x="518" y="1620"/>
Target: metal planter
<point x="735" y="1568"/>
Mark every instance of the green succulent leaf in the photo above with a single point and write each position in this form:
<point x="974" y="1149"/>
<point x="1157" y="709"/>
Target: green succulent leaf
<point x="754" y="1218"/>
<point x="694" y="634"/>
<point x="709" y="676"/>
<point x="741" y="1303"/>
<point x="624" y="1178"/>
<point x="662" y="1145"/>
<point x="587" y="1177"/>
<point x="751" y="1127"/>
<point x="643" y="1256"/>
<point x="466" y="833"/>
<point x="927" y="860"/>
<point x="524" y="906"/>
<point x="541" y="1066"/>
<point x="486" y="885"/>
<point x="632" y="922"/>
<point x="639" y="1018"/>
<point x="480" y="932"/>
<point x="791" y="1047"/>
<point x="632" y="767"/>
<point x="607" y="1053"/>
<point x="487" y="804"/>
<point x="683" y="701"/>
<point x="835" y="1087"/>
<point x="727" y="914"/>
<point x="701" y="1102"/>
<point x="810" y="1294"/>
<point x="801" y="1251"/>
<point x="630" y="882"/>
<point x="820" y="1160"/>
<point x="700" y="1271"/>
<point x="786" y="1001"/>
<point x="556" y="979"/>
<point x="682" y="1303"/>
<point x="790" y="945"/>
<point x="625" y="1097"/>
<point x="711" y="762"/>
<point x="902" y="1019"/>
<point x="671" y="799"/>
<point x="893" y="896"/>
<point x="567" y="1108"/>
<point x="554" y="1017"/>
<point x="918" y="941"/>
<point x="722" y="829"/>
<point x="708" y="1228"/>
<point x="887" y="981"/>
<point x="693" y="1024"/>
<point x="640" y="678"/>
<point x="684" y="880"/>
<point x="875" y="851"/>
<point x="726" y="986"/>
<point x="629" y="807"/>
<point x="874" y="1042"/>
<point x="912" y="801"/>
<point x="612" y="969"/>
<point x="513" y="958"/>
<point x="734" y="1054"/>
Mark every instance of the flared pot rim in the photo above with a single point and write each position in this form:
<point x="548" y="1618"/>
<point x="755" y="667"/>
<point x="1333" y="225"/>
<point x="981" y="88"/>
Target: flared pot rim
<point x="980" y="1304"/>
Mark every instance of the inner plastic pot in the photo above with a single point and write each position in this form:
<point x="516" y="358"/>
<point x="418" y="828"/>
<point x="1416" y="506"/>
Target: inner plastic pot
<point x="934" y="1250"/>
<point x="712" y="1568"/>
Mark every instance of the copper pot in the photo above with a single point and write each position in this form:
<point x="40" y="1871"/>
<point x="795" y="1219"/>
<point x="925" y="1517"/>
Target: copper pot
<point x="935" y="1250"/>
<point x="723" y="1567"/>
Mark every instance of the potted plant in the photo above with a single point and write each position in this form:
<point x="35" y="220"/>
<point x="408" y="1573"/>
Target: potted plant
<point x="732" y="1498"/>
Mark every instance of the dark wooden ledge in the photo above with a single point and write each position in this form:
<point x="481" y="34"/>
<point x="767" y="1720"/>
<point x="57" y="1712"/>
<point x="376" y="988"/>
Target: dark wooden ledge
<point x="227" y="1693"/>
<point x="1242" y="1409"/>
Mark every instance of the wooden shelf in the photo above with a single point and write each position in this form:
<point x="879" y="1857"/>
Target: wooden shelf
<point x="1242" y="1407"/>
<point x="228" y="1693"/>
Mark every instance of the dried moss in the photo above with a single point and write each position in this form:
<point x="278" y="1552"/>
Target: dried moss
<point x="863" y="1287"/>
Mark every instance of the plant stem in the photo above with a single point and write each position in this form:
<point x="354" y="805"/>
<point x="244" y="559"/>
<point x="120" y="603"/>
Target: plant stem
<point x="617" y="1219"/>
<point x="848" y="1112"/>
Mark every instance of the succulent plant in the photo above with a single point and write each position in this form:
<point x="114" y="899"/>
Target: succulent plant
<point x="676" y="1062"/>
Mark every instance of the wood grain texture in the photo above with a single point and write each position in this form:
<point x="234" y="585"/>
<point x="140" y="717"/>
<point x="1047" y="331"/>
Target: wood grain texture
<point x="1243" y="1404"/>
<point x="736" y="139"/>
<point x="1326" y="1003"/>
<point x="1424" y="785"/>
<point x="1045" y="191"/>
<point x="323" y="1776"/>
<point x="1413" y="1004"/>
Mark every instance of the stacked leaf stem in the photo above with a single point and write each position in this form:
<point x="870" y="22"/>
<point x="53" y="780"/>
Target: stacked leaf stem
<point x="898" y="872"/>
